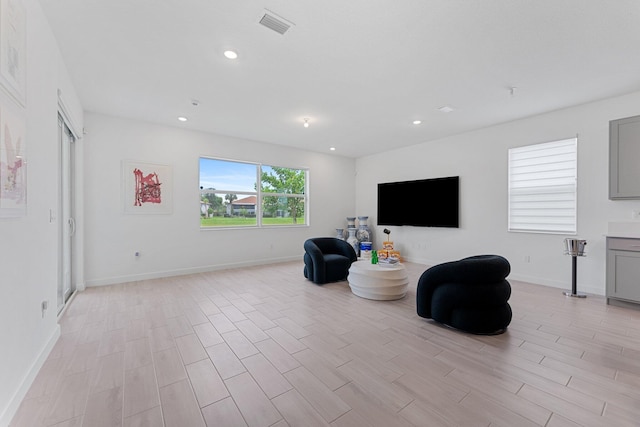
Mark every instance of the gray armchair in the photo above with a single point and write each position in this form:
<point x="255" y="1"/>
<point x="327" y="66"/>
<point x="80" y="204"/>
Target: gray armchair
<point x="327" y="259"/>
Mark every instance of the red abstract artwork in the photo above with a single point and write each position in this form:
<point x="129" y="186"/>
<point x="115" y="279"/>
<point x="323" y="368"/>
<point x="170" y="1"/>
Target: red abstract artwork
<point x="147" y="188"/>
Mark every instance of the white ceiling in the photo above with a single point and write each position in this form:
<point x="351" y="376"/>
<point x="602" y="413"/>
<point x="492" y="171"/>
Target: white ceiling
<point x="361" y="70"/>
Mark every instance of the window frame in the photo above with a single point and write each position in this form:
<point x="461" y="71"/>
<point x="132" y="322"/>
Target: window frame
<point x="258" y="193"/>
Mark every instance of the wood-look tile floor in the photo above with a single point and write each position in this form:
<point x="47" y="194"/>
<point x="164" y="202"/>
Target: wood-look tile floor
<point x="262" y="346"/>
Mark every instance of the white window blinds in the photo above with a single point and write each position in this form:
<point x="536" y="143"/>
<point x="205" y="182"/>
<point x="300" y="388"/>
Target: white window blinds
<point x="543" y="187"/>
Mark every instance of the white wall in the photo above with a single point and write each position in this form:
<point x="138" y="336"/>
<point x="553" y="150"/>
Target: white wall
<point x="174" y="244"/>
<point x="28" y="245"/>
<point x="480" y="159"/>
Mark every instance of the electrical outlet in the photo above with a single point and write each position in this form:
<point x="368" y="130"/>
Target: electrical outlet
<point x="635" y="214"/>
<point x="527" y="258"/>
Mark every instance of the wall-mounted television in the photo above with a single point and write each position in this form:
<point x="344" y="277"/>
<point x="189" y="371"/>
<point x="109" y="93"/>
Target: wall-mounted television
<point x="421" y="203"/>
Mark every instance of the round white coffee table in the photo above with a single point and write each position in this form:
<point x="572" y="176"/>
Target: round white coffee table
<point x="374" y="281"/>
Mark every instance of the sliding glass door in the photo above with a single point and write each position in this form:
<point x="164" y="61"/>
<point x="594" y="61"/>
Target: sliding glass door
<point x="66" y="218"/>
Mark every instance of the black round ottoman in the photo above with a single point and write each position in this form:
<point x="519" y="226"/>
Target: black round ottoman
<point x="470" y="294"/>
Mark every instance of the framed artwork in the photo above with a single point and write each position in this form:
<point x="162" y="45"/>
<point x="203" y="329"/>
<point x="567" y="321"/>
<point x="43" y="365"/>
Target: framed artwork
<point x="147" y="188"/>
<point x="13" y="49"/>
<point x="13" y="162"/>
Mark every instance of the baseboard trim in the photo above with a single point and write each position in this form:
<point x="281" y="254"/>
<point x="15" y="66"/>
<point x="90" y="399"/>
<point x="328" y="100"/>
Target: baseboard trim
<point x="582" y="288"/>
<point x="183" y="271"/>
<point x="14" y="403"/>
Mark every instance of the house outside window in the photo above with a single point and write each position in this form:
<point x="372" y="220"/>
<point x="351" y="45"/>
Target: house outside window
<point x="241" y="194"/>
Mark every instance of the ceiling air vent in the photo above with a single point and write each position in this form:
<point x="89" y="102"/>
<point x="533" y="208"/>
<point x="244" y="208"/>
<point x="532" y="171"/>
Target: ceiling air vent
<point x="276" y="24"/>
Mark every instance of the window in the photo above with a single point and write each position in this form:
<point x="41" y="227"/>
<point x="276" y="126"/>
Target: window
<point x="543" y="187"/>
<point x="231" y="197"/>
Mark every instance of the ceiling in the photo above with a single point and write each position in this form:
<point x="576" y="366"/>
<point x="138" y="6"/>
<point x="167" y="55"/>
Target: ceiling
<point x="360" y="70"/>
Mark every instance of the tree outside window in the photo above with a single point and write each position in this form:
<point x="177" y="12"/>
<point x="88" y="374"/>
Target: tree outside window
<point x="283" y="193"/>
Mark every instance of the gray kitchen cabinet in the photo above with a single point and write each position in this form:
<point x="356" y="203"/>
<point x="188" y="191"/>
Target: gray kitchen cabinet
<point x="623" y="269"/>
<point x="624" y="158"/>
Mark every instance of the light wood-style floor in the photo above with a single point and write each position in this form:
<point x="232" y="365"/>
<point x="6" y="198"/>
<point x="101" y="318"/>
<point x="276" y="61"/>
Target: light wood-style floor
<point x="262" y="346"/>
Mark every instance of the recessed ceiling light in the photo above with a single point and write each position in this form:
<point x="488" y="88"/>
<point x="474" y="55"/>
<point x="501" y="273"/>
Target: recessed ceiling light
<point x="182" y="119"/>
<point x="446" y="109"/>
<point x="417" y="122"/>
<point x="230" y="54"/>
<point x="306" y="123"/>
<point x="332" y="148"/>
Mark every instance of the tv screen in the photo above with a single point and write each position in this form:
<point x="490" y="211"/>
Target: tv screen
<point x="420" y="203"/>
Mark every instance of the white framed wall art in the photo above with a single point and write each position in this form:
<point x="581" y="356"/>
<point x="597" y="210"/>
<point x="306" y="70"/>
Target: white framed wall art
<point x="13" y="161"/>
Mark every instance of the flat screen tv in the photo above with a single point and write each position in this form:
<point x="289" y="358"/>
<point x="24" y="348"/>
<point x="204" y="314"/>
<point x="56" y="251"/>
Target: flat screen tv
<point x="420" y="203"/>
